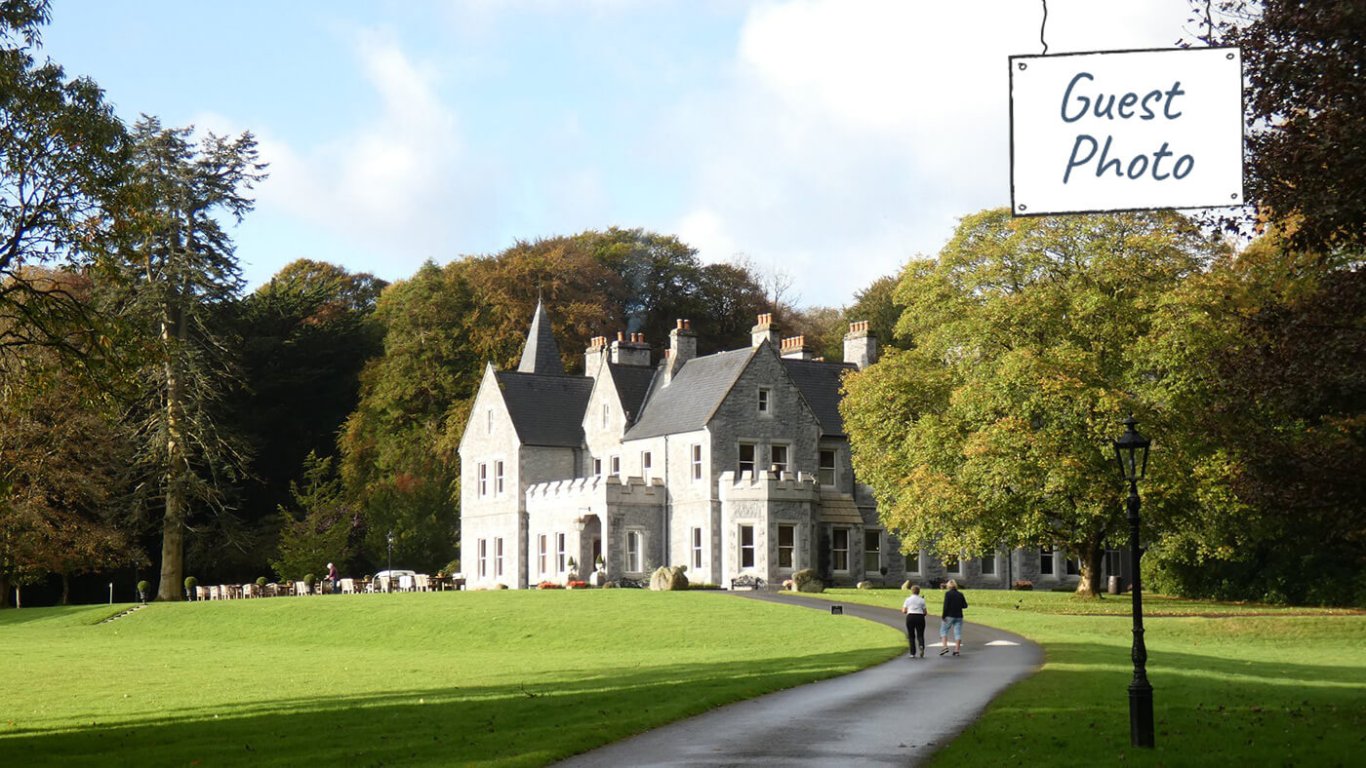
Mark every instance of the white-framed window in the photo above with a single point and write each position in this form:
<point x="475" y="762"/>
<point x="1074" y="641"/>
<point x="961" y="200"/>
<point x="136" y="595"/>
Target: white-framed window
<point x="765" y="401"/>
<point x="697" y="461"/>
<point x="483" y="558"/>
<point x="1045" y="561"/>
<point x="989" y="564"/>
<point x="697" y="549"/>
<point x="778" y="456"/>
<point x="635" y="551"/>
<point x="597" y="467"/>
<point x="559" y="553"/>
<point x="913" y="562"/>
<point x="498" y="557"/>
<point x="1073" y="567"/>
<point x="839" y="549"/>
<point x="747" y="454"/>
<point x="647" y="461"/>
<point x="542" y="553"/>
<point x="483" y="480"/>
<point x="952" y="565"/>
<point x="787" y="545"/>
<point x="498" y="478"/>
<point x="872" y="551"/>
<point x="614" y="464"/>
<point x="746" y="546"/>
<point x="827" y="466"/>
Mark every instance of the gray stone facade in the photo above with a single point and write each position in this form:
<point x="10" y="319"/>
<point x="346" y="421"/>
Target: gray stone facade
<point x="732" y="464"/>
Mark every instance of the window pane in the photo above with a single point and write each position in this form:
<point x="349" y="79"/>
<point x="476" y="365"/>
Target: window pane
<point x="780" y="457"/>
<point x="872" y="551"/>
<point x="746" y="457"/>
<point x="1046" y="561"/>
<point x="746" y="546"/>
<point x="989" y="564"/>
<point x="827" y="468"/>
<point x="913" y="562"/>
<point x="787" y="538"/>
<point x="840" y="537"/>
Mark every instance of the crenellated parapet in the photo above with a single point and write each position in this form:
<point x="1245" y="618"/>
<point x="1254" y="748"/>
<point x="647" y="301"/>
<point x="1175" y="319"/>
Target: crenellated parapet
<point x="589" y="492"/>
<point x="768" y="486"/>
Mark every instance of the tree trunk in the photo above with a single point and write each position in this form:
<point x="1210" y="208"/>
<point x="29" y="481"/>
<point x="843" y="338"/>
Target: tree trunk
<point x="66" y="588"/>
<point x="4" y="591"/>
<point x="173" y="522"/>
<point x="1091" y="554"/>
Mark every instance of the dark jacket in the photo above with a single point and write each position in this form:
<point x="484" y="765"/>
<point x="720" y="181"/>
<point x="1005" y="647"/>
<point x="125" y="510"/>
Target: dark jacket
<point x="954" y="603"/>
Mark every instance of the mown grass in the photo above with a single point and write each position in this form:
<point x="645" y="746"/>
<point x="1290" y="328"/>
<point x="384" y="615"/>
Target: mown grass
<point x="468" y="678"/>
<point x="1248" y="685"/>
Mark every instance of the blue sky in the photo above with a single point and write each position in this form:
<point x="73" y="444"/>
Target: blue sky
<point x="830" y="139"/>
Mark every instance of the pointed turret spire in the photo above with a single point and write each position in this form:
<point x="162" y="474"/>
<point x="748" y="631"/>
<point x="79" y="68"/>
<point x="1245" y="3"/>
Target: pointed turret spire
<point x="541" y="355"/>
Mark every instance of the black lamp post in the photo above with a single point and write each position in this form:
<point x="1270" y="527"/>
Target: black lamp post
<point x="1131" y="449"/>
<point x="390" y="583"/>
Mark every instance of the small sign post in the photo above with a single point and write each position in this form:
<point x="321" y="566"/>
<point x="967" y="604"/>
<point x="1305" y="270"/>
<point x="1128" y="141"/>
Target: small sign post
<point x="1126" y="130"/>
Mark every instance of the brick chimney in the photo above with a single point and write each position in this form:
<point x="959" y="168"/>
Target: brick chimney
<point x="682" y="348"/>
<point x="594" y="355"/>
<point x="630" y="349"/>
<point x="795" y="348"/>
<point x="860" y="345"/>
<point x="764" y="330"/>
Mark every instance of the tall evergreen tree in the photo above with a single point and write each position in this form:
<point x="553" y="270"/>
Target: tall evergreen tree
<point x="177" y="269"/>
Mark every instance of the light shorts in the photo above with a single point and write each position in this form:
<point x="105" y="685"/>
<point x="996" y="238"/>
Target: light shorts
<point x="956" y="624"/>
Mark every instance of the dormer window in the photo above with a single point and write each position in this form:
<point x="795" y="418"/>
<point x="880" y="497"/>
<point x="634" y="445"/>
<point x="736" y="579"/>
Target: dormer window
<point x="765" y="401"/>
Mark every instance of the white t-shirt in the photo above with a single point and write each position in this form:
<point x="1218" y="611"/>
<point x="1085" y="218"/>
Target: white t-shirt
<point x="914" y="604"/>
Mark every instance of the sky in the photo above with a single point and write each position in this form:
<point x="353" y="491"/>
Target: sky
<point x="829" y="140"/>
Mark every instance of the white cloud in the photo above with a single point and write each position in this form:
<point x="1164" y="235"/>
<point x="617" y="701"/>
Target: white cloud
<point x="397" y="185"/>
<point x="857" y="132"/>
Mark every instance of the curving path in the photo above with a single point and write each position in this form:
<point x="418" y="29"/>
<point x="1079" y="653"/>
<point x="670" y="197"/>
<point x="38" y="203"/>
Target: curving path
<point x="896" y="713"/>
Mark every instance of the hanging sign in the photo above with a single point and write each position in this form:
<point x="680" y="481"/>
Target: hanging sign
<point x="1126" y="130"/>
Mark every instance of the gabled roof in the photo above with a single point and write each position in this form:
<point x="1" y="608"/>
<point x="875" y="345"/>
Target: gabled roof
<point x="694" y="394"/>
<point x="546" y="410"/>
<point x="632" y="383"/>
<point x="820" y="384"/>
<point x="541" y="355"/>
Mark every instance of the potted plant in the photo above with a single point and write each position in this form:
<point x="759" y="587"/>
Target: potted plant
<point x="190" y="583"/>
<point x="599" y="563"/>
<point x="144" y="587"/>
<point x="309" y="580"/>
<point x="573" y="570"/>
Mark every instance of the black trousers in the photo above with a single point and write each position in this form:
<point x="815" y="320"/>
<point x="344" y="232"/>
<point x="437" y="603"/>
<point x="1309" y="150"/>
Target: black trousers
<point x="915" y="629"/>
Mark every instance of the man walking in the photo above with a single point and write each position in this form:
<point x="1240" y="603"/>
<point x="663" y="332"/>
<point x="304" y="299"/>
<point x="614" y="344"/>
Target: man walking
<point x="952" y="619"/>
<point x="914" y="608"/>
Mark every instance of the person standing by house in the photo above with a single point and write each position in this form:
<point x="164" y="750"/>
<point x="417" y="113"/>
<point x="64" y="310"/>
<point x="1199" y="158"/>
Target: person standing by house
<point x="954" y="603"/>
<point x="333" y="584"/>
<point x="915" y="610"/>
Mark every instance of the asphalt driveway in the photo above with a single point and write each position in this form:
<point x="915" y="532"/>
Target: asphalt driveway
<point x="896" y="713"/>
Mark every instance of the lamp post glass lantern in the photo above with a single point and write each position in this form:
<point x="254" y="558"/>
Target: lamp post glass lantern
<point x="1131" y="451"/>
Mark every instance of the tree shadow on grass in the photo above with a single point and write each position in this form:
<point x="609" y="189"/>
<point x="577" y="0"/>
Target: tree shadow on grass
<point x="1208" y="711"/>
<point x="521" y="723"/>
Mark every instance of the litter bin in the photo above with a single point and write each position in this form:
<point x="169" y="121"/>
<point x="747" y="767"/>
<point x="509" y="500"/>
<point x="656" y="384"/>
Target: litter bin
<point x="1116" y="585"/>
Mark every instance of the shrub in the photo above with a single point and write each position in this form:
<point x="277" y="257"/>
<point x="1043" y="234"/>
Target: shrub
<point x="144" y="587"/>
<point x="807" y="581"/>
<point x="906" y="585"/>
<point x="575" y="584"/>
<point x="1022" y="584"/>
<point x="549" y="585"/>
<point x="789" y="585"/>
<point x="452" y="567"/>
<point x="309" y="579"/>
<point x="500" y="586"/>
<point x="261" y="581"/>
<point x="609" y="585"/>
<point x="190" y="583"/>
<point x="864" y="585"/>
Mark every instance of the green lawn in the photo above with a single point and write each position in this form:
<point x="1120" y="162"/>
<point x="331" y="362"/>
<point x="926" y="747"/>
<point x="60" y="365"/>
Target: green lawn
<point x="1234" y="685"/>
<point x="411" y="679"/>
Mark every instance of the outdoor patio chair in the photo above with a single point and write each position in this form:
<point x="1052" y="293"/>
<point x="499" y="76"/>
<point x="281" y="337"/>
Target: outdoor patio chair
<point x="422" y="582"/>
<point x="348" y="586"/>
<point x="300" y="588"/>
<point x="201" y="593"/>
<point x="405" y="583"/>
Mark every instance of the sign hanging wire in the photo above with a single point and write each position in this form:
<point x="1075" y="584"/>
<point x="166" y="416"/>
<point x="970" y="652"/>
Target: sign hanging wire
<point x="1043" y="26"/>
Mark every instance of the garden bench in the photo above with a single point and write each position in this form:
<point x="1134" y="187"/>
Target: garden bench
<point x="747" y="581"/>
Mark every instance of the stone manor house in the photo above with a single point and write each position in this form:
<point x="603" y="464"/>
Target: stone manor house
<point x="733" y="464"/>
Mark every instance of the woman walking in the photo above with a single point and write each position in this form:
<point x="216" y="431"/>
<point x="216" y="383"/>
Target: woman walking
<point x="914" y="608"/>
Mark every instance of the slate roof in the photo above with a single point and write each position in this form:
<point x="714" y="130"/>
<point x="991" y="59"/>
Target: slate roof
<point x="633" y="383"/>
<point x="694" y="394"/>
<point x="541" y="354"/>
<point x="820" y="385"/>
<point x="546" y="410"/>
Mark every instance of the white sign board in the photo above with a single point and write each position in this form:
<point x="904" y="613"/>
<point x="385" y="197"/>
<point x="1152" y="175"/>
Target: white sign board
<point x="1126" y="130"/>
